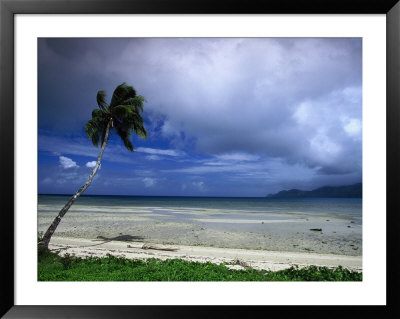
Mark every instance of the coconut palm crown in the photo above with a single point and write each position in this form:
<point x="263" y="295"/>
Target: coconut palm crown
<point x="123" y="115"/>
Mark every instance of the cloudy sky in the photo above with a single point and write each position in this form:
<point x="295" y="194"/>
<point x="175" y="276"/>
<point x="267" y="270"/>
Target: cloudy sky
<point x="225" y="116"/>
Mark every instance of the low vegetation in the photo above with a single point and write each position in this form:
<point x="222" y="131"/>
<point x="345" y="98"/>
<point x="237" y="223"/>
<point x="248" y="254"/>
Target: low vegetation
<point x="53" y="267"/>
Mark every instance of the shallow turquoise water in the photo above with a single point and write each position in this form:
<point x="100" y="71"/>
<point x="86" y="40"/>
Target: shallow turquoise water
<point x="223" y="207"/>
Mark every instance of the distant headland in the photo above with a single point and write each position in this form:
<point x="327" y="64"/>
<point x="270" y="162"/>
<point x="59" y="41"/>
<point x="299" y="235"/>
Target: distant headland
<point x="347" y="191"/>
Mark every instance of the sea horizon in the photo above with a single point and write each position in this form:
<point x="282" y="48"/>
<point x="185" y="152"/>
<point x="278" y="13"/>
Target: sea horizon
<point x="197" y="196"/>
<point x="117" y="195"/>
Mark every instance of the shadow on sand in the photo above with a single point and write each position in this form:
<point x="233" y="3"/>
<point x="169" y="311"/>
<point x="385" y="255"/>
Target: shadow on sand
<point x="121" y="238"/>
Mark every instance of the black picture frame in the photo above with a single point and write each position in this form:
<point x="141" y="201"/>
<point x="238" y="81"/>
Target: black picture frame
<point x="9" y="8"/>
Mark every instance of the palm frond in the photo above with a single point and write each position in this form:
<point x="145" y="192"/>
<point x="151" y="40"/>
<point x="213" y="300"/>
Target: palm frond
<point x="122" y="111"/>
<point x="128" y="144"/>
<point x="91" y="128"/>
<point x="125" y="136"/>
<point x="140" y="130"/>
<point x="127" y="126"/>
<point x="136" y="101"/>
<point x="98" y="114"/>
<point x="101" y="100"/>
<point x="121" y="93"/>
<point x="133" y="123"/>
<point x="95" y="139"/>
<point x="96" y="127"/>
<point x="92" y="131"/>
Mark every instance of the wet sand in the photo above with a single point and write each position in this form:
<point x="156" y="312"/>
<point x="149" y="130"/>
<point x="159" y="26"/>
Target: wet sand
<point x="284" y="232"/>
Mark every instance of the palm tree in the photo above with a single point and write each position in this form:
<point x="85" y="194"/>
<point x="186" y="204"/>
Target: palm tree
<point x="123" y="115"/>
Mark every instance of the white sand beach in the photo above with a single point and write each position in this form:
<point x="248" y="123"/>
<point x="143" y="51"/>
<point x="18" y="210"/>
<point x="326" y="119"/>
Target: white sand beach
<point x="240" y="258"/>
<point x="291" y="234"/>
<point x="268" y="237"/>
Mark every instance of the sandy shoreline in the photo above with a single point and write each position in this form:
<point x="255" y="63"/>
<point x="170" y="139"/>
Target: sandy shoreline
<point x="258" y="259"/>
<point x="275" y="233"/>
<point x="281" y="229"/>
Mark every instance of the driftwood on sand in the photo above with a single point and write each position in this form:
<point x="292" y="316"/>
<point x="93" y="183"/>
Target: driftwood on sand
<point x="159" y="248"/>
<point x="146" y="246"/>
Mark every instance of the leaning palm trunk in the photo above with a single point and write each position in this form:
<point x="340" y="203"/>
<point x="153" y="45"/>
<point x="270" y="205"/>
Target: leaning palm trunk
<point x="44" y="243"/>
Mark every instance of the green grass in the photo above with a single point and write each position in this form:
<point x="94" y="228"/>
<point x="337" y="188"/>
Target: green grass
<point x="52" y="267"/>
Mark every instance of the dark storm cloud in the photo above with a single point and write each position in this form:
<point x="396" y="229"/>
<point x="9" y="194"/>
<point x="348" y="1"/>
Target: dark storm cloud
<point x="298" y="100"/>
<point x="74" y="49"/>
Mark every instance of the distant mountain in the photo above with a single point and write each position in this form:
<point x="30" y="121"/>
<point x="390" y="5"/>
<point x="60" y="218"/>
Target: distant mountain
<point x="348" y="191"/>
